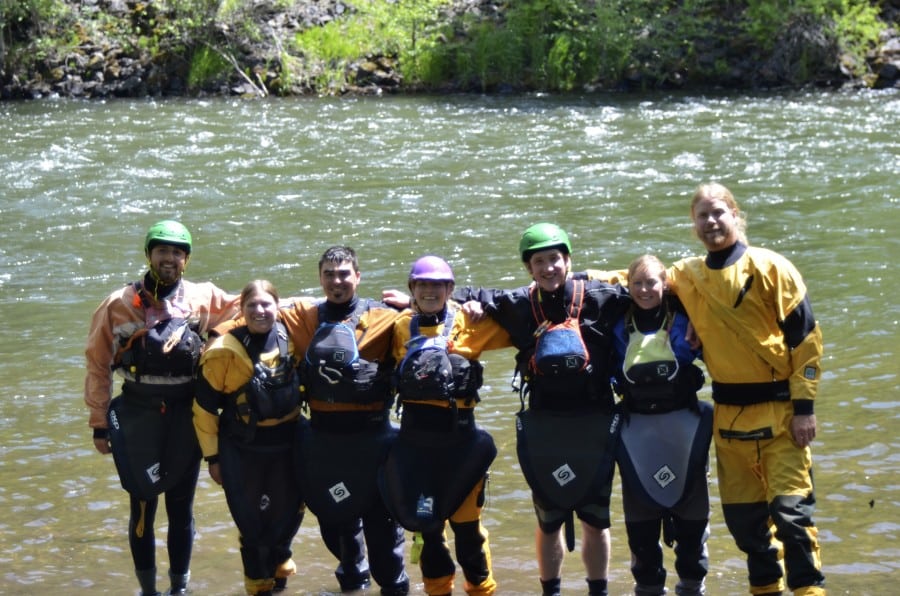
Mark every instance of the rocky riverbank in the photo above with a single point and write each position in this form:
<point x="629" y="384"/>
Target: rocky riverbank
<point x="109" y="56"/>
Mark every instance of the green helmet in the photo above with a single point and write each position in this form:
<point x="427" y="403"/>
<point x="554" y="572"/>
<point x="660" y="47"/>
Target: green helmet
<point x="541" y="236"/>
<point x="168" y="231"/>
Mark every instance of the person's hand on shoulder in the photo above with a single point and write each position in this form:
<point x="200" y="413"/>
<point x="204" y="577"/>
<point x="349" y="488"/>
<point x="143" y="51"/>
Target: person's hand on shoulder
<point x="395" y="298"/>
<point x="474" y="311"/>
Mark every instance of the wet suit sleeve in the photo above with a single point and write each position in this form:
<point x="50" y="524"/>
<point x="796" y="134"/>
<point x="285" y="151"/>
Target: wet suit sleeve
<point x="678" y="333"/>
<point x="98" y="358"/>
<point x="510" y="308"/>
<point x="401" y="336"/>
<point x="802" y="336"/>
<point x="375" y="333"/>
<point x="619" y="276"/>
<point x="224" y="369"/>
<point x="300" y="318"/>
<point x="113" y="313"/>
<point x="206" y="424"/>
<point x="804" y="339"/>
<point x="470" y="338"/>
<point x="213" y="305"/>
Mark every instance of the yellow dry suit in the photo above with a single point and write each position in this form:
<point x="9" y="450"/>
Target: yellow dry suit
<point x="247" y="417"/>
<point x="762" y="348"/>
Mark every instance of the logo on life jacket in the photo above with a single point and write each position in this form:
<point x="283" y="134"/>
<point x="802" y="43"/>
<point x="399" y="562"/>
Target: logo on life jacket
<point x="664" y="476"/>
<point x="425" y="506"/>
<point x="564" y="475"/>
<point x="153" y="473"/>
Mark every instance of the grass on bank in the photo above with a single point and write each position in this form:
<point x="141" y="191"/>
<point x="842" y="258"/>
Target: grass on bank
<point x="549" y="45"/>
<point x="567" y="45"/>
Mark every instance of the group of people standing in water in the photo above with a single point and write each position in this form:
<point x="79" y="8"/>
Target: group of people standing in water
<point x="291" y="403"/>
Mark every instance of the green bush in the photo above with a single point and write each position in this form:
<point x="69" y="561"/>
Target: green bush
<point x="858" y="26"/>
<point x="207" y="65"/>
<point x="549" y="45"/>
<point x="376" y="28"/>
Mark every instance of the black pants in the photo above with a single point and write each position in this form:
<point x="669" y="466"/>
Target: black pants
<point x="179" y="508"/>
<point x="264" y="499"/>
<point x="377" y="532"/>
<point x="792" y="516"/>
<point x="691" y="559"/>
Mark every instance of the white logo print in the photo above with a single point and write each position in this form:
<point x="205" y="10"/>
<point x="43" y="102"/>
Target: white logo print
<point x="153" y="473"/>
<point x="425" y="506"/>
<point x="339" y="492"/>
<point x="563" y="475"/>
<point x="664" y="476"/>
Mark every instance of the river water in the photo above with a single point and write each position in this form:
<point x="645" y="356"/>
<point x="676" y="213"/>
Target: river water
<point x="266" y="186"/>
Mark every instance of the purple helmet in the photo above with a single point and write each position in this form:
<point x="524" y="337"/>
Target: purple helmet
<point x="431" y="268"/>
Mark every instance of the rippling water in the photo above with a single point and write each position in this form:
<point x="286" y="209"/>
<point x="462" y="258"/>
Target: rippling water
<point x="266" y="185"/>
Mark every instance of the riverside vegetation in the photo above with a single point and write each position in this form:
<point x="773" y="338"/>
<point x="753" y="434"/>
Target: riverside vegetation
<point x="137" y="48"/>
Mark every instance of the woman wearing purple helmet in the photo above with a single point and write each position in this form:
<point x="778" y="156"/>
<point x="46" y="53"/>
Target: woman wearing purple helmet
<point x="437" y="469"/>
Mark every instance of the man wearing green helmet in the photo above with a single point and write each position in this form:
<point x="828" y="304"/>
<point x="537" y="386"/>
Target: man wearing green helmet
<point x="562" y="329"/>
<point x="149" y="333"/>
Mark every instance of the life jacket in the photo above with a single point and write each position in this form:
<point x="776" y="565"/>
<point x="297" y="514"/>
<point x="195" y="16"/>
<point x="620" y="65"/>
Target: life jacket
<point x="168" y="345"/>
<point x="426" y="370"/>
<point x="560" y="364"/>
<point x="333" y="370"/>
<point x="652" y="379"/>
<point x="272" y="392"/>
<point x="430" y="370"/>
<point x="649" y="368"/>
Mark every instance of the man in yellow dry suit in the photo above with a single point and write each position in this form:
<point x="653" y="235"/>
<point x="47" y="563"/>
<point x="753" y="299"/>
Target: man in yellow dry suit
<point x="762" y="348"/>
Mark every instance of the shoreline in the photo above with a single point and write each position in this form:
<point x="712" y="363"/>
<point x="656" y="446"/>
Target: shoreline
<point x="122" y="49"/>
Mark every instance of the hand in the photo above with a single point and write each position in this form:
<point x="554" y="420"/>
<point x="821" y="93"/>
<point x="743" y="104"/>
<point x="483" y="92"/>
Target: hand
<point x="103" y="446"/>
<point x="395" y="298"/>
<point x="803" y="429"/>
<point x="474" y="310"/>
<point x="215" y="472"/>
